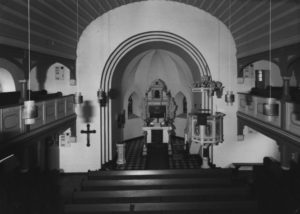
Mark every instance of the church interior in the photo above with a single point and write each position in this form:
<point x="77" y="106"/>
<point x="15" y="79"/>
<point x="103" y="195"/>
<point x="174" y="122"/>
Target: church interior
<point x="149" y="106"/>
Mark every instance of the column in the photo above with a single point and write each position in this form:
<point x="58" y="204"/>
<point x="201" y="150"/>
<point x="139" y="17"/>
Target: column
<point x="285" y="156"/>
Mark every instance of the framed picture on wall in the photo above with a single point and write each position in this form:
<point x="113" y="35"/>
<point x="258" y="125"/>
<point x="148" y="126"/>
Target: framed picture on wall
<point x="59" y="73"/>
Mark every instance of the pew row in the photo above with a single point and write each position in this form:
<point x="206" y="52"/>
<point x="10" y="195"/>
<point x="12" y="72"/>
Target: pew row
<point x="277" y="190"/>
<point x="162" y="191"/>
<point x="245" y="207"/>
<point x="166" y="173"/>
<point x="155" y="183"/>
<point x="161" y="195"/>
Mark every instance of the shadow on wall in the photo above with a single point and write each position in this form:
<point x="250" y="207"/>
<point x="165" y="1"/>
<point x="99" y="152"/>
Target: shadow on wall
<point x="87" y="111"/>
<point x="42" y="75"/>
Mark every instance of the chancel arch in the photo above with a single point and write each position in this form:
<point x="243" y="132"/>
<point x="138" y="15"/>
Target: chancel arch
<point x="143" y="44"/>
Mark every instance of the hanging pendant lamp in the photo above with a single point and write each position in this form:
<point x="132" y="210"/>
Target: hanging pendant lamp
<point x="78" y="98"/>
<point x="30" y="111"/>
<point x="229" y="96"/>
<point x="270" y="108"/>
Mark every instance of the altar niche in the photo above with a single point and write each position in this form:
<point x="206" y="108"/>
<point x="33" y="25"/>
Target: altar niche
<point x="158" y="113"/>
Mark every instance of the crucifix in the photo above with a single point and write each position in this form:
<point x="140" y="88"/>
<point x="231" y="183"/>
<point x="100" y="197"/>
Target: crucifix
<point x="88" y="132"/>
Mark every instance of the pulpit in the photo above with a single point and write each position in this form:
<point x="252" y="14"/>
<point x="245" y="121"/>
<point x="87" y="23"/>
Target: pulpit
<point x="204" y="127"/>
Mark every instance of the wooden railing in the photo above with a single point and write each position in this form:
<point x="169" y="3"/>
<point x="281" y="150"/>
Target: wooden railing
<point x="285" y="125"/>
<point x="53" y="114"/>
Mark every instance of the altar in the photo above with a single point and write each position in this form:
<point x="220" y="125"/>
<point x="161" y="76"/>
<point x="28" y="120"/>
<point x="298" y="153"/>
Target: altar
<point x="152" y="134"/>
<point x="157" y="134"/>
<point x="158" y="113"/>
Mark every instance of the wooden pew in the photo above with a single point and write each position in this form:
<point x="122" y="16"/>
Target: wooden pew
<point x="170" y="173"/>
<point x="237" y="207"/>
<point x="161" y="195"/>
<point x="10" y="98"/>
<point x="162" y="191"/>
<point x="154" y="183"/>
<point x="272" y="186"/>
<point x="247" y="164"/>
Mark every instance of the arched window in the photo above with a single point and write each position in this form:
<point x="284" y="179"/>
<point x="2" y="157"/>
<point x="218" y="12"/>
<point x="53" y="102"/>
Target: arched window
<point x="181" y="102"/>
<point x="7" y="82"/>
<point x="184" y="105"/>
<point x="130" y="103"/>
<point x="132" y="106"/>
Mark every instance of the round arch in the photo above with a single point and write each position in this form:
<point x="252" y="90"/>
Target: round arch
<point x="16" y="72"/>
<point x="142" y="41"/>
<point x="150" y="38"/>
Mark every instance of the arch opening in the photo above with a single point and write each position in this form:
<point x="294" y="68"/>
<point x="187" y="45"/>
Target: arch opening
<point x="114" y="69"/>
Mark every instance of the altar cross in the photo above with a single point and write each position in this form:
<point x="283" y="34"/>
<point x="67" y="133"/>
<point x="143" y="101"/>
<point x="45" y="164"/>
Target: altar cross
<point x="88" y="132"/>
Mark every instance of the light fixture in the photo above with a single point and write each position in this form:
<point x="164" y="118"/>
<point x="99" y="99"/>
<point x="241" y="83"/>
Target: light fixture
<point x="78" y="98"/>
<point x="30" y="111"/>
<point x="229" y="96"/>
<point x="102" y="97"/>
<point x="270" y="108"/>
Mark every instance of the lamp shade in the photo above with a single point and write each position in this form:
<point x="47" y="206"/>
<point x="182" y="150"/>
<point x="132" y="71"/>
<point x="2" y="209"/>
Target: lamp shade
<point x="30" y="112"/>
<point x="271" y="108"/>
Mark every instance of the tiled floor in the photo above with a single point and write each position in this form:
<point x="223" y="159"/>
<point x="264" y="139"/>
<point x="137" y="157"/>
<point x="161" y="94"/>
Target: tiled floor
<point x="180" y="159"/>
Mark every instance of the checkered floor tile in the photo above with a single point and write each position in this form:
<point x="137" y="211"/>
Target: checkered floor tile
<point x="180" y="159"/>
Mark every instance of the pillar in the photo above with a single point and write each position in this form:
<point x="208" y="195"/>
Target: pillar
<point x="285" y="156"/>
<point x="205" y="157"/>
<point x="286" y="88"/>
<point x="240" y="130"/>
<point x="24" y="159"/>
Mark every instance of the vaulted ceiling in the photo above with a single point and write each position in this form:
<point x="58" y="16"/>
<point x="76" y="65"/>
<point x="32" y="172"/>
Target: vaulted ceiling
<point x="54" y="22"/>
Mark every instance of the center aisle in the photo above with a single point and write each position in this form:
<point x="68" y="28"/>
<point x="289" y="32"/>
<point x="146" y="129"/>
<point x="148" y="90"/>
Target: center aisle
<point x="178" y="160"/>
<point x="157" y="157"/>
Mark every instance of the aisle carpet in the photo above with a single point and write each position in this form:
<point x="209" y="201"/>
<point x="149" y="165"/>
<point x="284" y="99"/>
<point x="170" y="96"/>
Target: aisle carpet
<point x="179" y="160"/>
<point x="157" y="157"/>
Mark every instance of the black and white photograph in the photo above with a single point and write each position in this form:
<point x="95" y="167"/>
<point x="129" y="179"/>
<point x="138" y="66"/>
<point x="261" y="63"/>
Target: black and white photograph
<point x="150" y="106"/>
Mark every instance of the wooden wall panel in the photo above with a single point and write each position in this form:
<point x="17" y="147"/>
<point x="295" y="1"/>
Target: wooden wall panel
<point x="293" y="118"/>
<point x="50" y="111"/>
<point x="40" y="120"/>
<point x="11" y="122"/>
<point x="70" y="105"/>
<point x="60" y="108"/>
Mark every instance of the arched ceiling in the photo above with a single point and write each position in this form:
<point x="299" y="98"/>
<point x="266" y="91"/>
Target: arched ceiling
<point x="54" y="22"/>
<point x="154" y="64"/>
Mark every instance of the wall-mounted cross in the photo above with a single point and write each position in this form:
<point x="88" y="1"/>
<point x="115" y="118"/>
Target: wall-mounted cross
<point x="88" y="132"/>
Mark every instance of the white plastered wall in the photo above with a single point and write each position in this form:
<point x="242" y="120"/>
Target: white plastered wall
<point x="7" y="83"/>
<point x="204" y="31"/>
